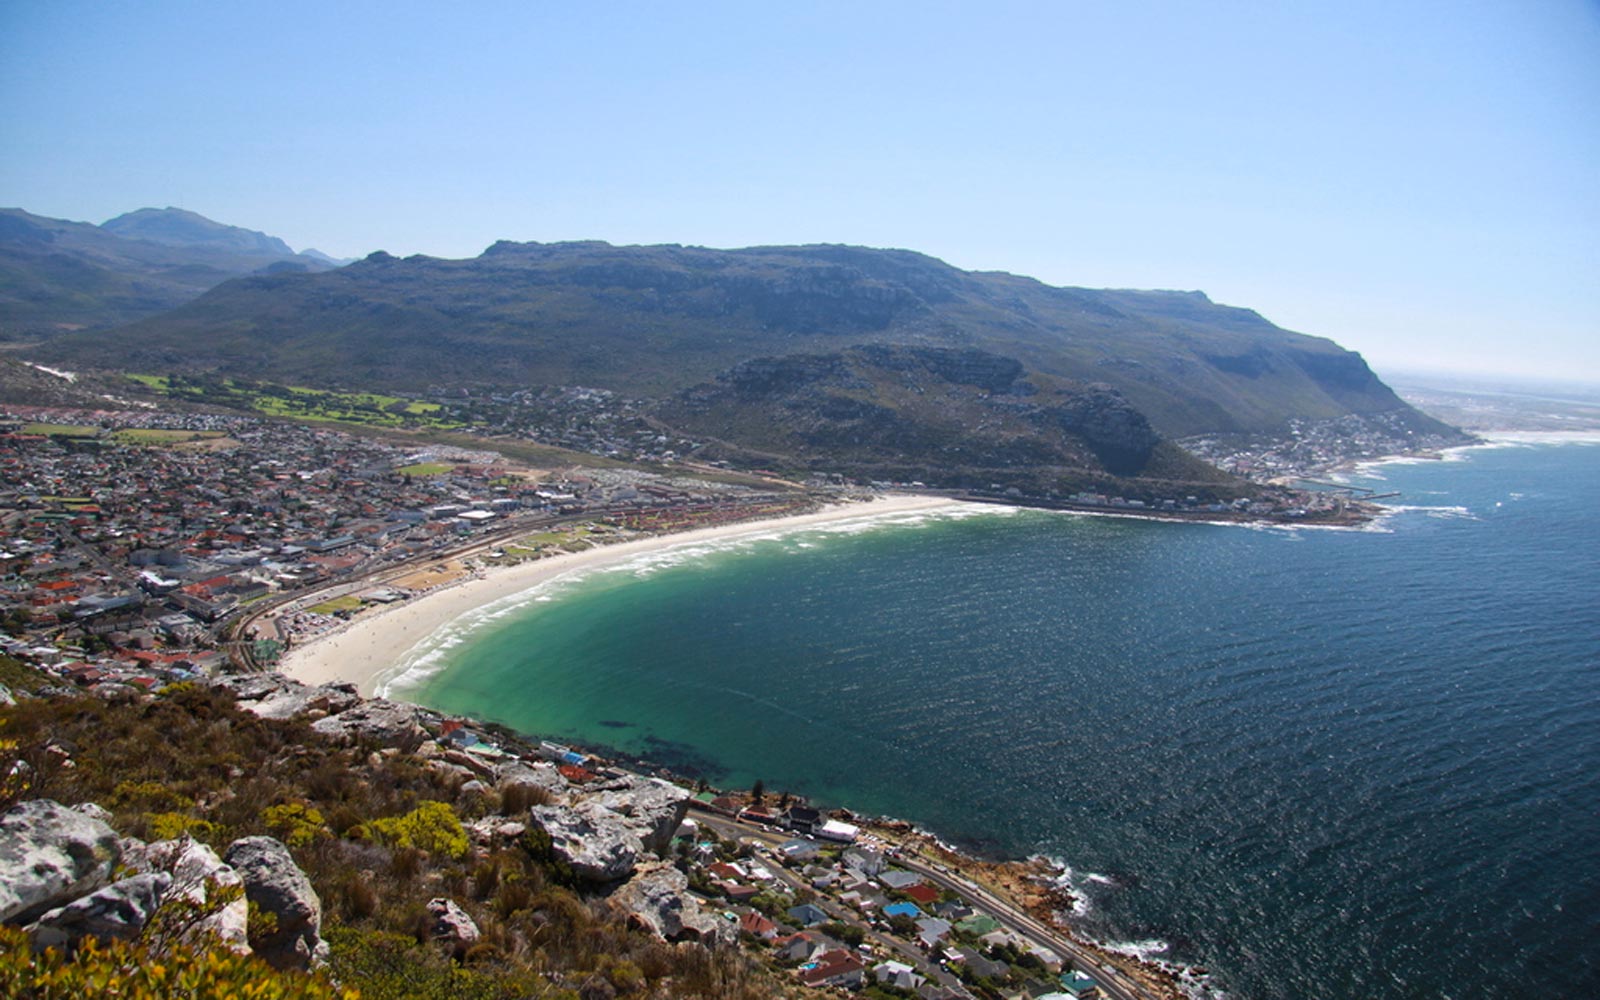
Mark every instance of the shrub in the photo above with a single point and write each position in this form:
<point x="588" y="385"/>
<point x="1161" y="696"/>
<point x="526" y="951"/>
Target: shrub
<point x="431" y="827"/>
<point x="294" y="823"/>
<point x="131" y="971"/>
<point x="172" y="825"/>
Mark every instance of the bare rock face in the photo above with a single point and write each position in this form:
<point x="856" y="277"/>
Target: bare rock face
<point x="289" y="702"/>
<point x="653" y="809"/>
<point x="596" y="843"/>
<point x="276" y="885"/>
<point x="452" y="926"/>
<point x="603" y="834"/>
<point x="252" y="687"/>
<point x="49" y="856"/>
<point x="119" y="910"/>
<point x="540" y="775"/>
<point x="657" y="899"/>
<point x="389" y="723"/>
<point x="196" y="874"/>
<point x="274" y="696"/>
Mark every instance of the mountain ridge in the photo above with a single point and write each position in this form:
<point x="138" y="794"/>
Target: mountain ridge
<point x="668" y="324"/>
<point x="57" y="275"/>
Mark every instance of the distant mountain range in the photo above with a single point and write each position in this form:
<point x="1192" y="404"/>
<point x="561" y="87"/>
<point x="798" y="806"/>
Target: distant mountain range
<point x="57" y="275"/>
<point x="821" y="357"/>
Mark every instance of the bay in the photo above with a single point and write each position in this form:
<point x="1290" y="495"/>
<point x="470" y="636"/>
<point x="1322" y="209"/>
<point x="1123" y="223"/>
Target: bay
<point x="1320" y="763"/>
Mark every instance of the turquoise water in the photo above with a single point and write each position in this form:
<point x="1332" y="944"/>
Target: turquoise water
<point x="1320" y="763"/>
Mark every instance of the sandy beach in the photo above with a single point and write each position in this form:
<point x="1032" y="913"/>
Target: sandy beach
<point x="380" y="636"/>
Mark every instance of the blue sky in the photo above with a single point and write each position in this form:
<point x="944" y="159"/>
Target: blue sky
<point x="1418" y="181"/>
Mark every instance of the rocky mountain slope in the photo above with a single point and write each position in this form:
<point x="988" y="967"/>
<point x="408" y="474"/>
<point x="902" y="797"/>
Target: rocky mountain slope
<point x="57" y="275"/>
<point x="286" y="835"/>
<point x="815" y="356"/>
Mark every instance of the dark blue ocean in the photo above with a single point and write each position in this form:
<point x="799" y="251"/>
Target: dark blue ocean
<point x="1319" y="763"/>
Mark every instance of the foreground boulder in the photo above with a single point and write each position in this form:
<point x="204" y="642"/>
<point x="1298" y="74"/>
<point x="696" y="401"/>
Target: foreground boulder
<point x="653" y="809"/>
<point x="120" y="910"/>
<point x="49" y="856"/>
<point x="595" y="842"/>
<point x="657" y="899"/>
<point x="277" y="886"/>
<point x="197" y="873"/>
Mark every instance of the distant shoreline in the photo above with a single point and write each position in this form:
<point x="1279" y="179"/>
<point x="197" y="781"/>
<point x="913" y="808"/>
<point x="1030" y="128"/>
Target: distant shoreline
<point x="379" y="638"/>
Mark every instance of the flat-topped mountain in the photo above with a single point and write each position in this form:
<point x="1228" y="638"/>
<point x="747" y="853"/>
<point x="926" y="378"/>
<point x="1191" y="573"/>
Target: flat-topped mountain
<point x="683" y="325"/>
<point x="58" y="276"/>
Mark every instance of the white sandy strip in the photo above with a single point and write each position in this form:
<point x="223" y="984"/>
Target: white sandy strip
<point x="378" y="638"/>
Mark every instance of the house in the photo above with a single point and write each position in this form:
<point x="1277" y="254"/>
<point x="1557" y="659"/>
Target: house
<point x="725" y="871"/>
<point x="865" y="860"/>
<point x="1078" y="986"/>
<point x="835" y="968"/>
<point x="832" y="829"/>
<point x="983" y="968"/>
<point x="932" y="930"/>
<point x="797" y="947"/>
<point x="903" y="910"/>
<point x="898" y="975"/>
<point x="924" y="894"/>
<point x="799" y="850"/>
<point x="898" y="879"/>
<point x="802" y="818"/>
<point x="807" y="915"/>
<point x="755" y="924"/>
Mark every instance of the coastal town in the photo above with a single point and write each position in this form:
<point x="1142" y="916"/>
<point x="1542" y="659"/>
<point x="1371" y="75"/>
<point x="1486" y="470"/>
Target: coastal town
<point x="139" y="541"/>
<point x="142" y="549"/>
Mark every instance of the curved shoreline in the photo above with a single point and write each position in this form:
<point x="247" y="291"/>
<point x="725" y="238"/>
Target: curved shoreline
<point x="377" y="639"/>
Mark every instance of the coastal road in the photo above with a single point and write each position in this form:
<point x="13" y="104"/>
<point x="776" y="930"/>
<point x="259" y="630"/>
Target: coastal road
<point x="886" y="944"/>
<point x="1114" y="983"/>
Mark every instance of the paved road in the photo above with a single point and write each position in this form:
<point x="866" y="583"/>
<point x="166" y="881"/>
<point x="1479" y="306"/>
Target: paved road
<point x="1113" y="983"/>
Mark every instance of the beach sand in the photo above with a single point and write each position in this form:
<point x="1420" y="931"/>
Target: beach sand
<point x="379" y="637"/>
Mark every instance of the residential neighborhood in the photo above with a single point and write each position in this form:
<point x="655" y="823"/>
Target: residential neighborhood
<point x="131" y="542"/>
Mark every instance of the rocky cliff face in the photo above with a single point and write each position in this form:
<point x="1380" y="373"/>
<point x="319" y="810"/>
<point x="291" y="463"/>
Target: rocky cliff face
<point x="950" y="416"/>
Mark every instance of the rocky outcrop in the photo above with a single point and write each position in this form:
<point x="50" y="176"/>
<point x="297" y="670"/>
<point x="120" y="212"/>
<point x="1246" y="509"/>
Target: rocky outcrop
<point x="120" y="910"/>
<point x="603" y="835"/>
<point x="651" y="808"/>
<point x="49" y="856"/>
<point x="595" y="842"/>
<point x="540" y="775"/>
<point x="197" y="874"/>
<point x="378" y="720"/>
<point x="451" y="926"/>
<point x="274" y="696"/>
<point x="657" y="899"/>
<point x="277" y="886"/>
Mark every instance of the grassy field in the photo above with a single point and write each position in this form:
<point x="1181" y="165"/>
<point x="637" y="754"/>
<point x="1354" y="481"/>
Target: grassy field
<point x="349" y="602"/>
<point x="368" y="409"/>
<point x="62" y="430"/>
<point x="425" y="469"/>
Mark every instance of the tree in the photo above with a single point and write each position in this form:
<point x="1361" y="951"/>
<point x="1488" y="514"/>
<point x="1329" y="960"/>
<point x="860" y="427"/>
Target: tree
<point x="758" y="791"/>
